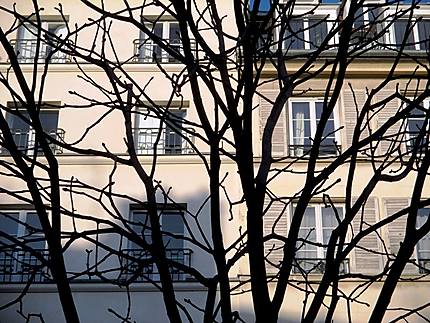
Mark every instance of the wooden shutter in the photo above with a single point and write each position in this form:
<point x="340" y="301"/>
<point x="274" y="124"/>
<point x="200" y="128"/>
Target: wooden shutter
<point x="390" y="109"/>
<point x="352" y="109"/>
<point x="276" y="219"/>
<point x="396" y="229"/>
<point x="365" y="260"/>
<point x="280" y="131"/>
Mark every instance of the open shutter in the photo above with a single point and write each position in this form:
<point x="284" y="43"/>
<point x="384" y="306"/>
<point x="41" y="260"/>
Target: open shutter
<point x="396" y="229"/>
<point x="352" y="109"/>
<point x="279" y="133"/>
<point x="365" y="259"/>
<point x="394" y="133"/>
<point x="276" y="219"/>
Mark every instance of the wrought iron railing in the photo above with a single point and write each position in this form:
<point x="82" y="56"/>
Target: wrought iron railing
<point x="25" y="141"/>
<point x="324" y="150"/>
<point x="424" y="265"/>
<point x="26" y="51"/>
<point x="316" y="266"/>
<point x="19" y="266"/>
<point x="141" y="267"/>
<point x="145" y="51"/>
<point x="169" y="142"/>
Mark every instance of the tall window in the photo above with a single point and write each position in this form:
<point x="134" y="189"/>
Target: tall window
<point x="304" y="116"/>
<point x="172" y="225"/>
<point x="306" y="33"/>
<point x="16" y="263"/>
<point x="25" y="136"/>
<point x="317" y="225"/>
<point x="148" y="51"/>
<point x="367" y="24"/>
<point x="423" y="246"/>
<point x="415" y="34"/>
<point x="169" y="137"/>
<point x="416" y="122"/>
<point x="26" y="43"/>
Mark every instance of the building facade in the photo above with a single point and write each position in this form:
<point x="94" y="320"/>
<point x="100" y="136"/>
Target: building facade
<point x="76" y="108"/>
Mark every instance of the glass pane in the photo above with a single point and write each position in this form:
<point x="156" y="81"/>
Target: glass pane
<point x="142" y="226"/>
<point x="173" y="138"/>
<point x="49" y="121"/>
<point x="400" y="28"/>
<point x="424" y="33"/>
<point x="294" y="35"/>
<point x="301" y="110"/>
<point x="9" y="225"/>
<point x="317" y="32"/>
<point x="173" y="222"/>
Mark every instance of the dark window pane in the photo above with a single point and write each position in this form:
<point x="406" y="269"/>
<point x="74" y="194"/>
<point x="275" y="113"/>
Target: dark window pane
<point x="294" y="35"/>
<point x="400" y="29"/>
<point x="317" y="32"/>
<point x="424" y="34"/>
<point x="173" y="137"/>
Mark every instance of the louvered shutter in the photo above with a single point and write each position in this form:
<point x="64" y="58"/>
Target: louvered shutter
<point x="394" y="133"/>
<point x="280" y="131"/>
<point x="276" y="219"/>
<point x="365" y="259"/>
<point x="352" y="109"/>
<point x="396" y="229"/>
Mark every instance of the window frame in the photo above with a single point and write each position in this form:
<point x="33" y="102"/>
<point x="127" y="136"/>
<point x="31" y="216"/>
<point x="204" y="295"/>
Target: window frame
<point x="323" y="13"/>
<point x="409" y="140"/>
<point x="318" y="269"/>
<point x="423" y="263"/>
<point x="313" y="122"/>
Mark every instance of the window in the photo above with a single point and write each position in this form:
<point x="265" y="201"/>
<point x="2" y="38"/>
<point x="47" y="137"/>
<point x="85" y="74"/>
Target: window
<point x="418" y="33"/>
<point x="423" y="246"/>
<point x="149" y="52"/>
<point x="170" y="138"/>
<point x="306" y="33"/>
<point x="317" y="225"/>
<point x="17" y="264"/>
<point x="27" y="40"/>
<point x="172" y="223"/>
<point x="366" y="26"/>
<point x="416" y="122"/>
<point x="304" y="116"/>
<point x="24" y="135"/>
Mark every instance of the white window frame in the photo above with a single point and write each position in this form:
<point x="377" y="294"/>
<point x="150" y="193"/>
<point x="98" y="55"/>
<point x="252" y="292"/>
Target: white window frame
<point x="177" y="275"/>
<point x="312" y="113"/>
<point x="426" y="106"/>
<point x="330" y="14"/>
<point x="318" y="206"/>
<point x="31" y="140"/>
<point x="58" y="57"/>
<point x="148" y="44"/>
<point x="18" y="257"/>
<point x="426" y="264"/>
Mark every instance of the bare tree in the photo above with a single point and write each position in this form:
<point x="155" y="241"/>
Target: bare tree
<point x="238" y="68"/>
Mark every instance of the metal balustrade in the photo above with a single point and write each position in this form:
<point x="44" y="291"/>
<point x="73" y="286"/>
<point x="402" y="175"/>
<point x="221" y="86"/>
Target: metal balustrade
<point x="424" y="266"/>
<point x="145" y="51"/>
<point x="169" y="142"/>
<point x="316" y="266"/>
<point x="304" y="150"/>
<point x="142" y="268"/>
<point x="26" y="51"/>
<point x="19" y="266"/>
<point x="25" y="141"/>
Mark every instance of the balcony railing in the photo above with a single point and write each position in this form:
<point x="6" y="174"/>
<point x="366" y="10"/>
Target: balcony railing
<point x="142" y="267"/>
<point x="304" y="150"/>
<point x="19" y="266"/>
<point x="316" y="266"/>
<point x="25" y="141"/>
<point x="145" y="51"/>
<point x="26" y="51"/>
<point x="169" y="141"/>
<point x="424" y="265"/>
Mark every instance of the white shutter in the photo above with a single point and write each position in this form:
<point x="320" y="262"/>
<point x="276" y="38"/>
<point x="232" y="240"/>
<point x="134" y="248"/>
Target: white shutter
<point x="352" y="109"/>
<point x="396" y="229"/>
<point x="276" y="219"/>
<point x="279" y="133"/>
<point x="388" y="110"/>
<point x="365" y="259"/>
